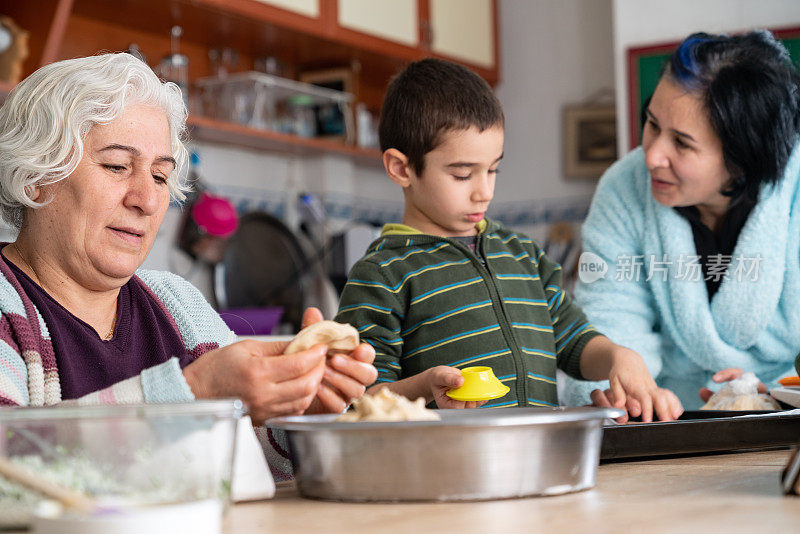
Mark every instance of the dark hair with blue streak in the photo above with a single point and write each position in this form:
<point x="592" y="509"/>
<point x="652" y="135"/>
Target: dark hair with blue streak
<point x="751" y="91"/>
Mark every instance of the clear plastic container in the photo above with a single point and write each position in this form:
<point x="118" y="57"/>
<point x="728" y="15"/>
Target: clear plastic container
<point x="303" y="119"/>
<point x="270" y="102"/>
<point x="137" y="455"/>
<point x="175" y="68"/>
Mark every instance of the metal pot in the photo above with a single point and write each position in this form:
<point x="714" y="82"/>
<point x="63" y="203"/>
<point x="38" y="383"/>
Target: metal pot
<point x="468" y="455"/>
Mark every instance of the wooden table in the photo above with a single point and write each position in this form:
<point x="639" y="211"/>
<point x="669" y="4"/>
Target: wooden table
<point x="720" y="493"/>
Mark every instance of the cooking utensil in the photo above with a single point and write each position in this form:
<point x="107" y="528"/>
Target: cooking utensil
<point x="67" y="497"/>
<point x="468" y="455"/>
<point x="141" y="454"/>
<point x="790" y="476"/>
<point x="264" y="264"/>
<point x="702" y="431"/>
<point x="479" y="384"/>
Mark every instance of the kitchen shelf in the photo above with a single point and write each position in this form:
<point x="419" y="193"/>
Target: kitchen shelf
<point x="207" y="24"/>
<point x="61" y="29"/>
<point x="5" y="88"/>
<point x="255" y="99"/>
<point x="227" y="133"/>
<point x="252" y="27"/>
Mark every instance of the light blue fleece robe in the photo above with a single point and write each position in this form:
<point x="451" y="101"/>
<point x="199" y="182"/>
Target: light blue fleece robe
<point x="683" y="338"/>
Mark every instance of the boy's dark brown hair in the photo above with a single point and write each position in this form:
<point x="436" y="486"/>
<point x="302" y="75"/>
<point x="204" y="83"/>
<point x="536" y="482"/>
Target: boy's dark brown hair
<point x="429" y="98"/>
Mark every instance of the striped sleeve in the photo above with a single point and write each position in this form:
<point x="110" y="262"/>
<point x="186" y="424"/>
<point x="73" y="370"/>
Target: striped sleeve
<point x="28" y="372"/>
<point x="371" y="304"/>
<point x="13" y="377"/>
<point x="571" y="330"/>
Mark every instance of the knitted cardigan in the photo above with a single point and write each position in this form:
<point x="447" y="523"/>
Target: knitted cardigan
<point x="29" y="374"/>
<point x="424" y="300"/>
<point x="752" y="322"/>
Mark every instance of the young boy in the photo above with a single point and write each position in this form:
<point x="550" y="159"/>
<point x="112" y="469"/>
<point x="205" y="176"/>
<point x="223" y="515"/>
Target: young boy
<point x="449" y="288"/>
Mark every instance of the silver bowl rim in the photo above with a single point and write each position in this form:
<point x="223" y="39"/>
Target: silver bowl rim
<point x="502" y="417"/>
<point x="220" y="408"/>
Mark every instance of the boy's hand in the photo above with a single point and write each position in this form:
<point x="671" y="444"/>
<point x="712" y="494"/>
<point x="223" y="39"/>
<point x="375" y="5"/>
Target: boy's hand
<point x="443" y="378"/>
<point x="633" y="388"/>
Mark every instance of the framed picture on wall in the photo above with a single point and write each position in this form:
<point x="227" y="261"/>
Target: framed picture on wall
<point x="644" y="68"/>
<point x="590" y="140"/>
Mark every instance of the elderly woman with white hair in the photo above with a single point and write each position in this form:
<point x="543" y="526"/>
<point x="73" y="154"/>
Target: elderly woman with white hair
<point x="90" y="155"/>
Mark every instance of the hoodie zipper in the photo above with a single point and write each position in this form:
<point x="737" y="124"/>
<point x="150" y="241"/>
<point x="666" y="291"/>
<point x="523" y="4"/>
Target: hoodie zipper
<point x="478" y="259"/>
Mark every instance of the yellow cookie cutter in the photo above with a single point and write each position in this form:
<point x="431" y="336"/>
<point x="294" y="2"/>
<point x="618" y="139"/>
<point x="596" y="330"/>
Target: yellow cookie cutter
<point x="479" y="384"/>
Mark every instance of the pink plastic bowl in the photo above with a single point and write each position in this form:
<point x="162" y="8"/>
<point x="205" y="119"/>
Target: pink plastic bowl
<point x="215" y="215"/>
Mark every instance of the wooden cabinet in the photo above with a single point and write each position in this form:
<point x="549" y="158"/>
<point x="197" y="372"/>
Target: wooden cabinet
<point x="393" y="20"/>
<point x="464" y="30"/>
<point x="461" y="30"/>
<point x="309" y="8"/>
<point x="372" y="38"/>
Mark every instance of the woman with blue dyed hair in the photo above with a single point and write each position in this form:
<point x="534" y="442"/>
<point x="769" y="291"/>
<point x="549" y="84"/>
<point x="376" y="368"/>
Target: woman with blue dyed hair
<point x="700" y="226"/>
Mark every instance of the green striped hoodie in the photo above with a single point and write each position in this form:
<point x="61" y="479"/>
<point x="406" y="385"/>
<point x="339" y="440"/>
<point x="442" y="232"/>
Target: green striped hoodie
<point x="424" y="300"/>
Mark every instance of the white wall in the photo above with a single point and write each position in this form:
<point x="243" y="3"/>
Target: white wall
<point x="553" y="53"/>
<point x="255" y="181"/>
<point x="649" y="22"/>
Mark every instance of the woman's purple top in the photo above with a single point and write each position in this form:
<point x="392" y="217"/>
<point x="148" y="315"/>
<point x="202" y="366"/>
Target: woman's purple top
<point x="143" y="337"/>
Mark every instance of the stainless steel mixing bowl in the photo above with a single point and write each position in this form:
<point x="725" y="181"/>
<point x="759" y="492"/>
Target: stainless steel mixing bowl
<point x="468" y="455"/>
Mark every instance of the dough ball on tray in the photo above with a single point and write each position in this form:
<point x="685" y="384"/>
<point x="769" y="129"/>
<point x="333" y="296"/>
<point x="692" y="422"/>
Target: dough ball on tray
<point x="741" y="394"/>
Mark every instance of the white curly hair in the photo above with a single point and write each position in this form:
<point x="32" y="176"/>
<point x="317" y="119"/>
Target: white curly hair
<point x="45" y="119"/>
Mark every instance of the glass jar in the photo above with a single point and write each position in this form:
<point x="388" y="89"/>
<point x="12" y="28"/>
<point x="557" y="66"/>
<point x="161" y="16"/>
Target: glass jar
<point x="302" y="116"/>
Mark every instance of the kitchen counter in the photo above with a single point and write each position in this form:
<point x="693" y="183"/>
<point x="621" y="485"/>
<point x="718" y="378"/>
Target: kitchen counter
<point x="717" y="493"/>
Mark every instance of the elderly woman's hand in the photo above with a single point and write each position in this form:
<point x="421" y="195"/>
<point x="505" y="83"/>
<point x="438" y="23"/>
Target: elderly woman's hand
<point x="726" y="375"/>
<point x="270" y="384"/>
<point x="346" y="376"/>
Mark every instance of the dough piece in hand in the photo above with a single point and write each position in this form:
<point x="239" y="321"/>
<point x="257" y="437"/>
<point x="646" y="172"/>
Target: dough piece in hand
<point x="741" y="394"/>
<point x="337" y="336"/>
<point x="386" y="405"/>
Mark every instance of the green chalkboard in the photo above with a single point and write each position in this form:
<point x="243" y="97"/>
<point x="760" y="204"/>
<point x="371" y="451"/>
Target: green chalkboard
<point x="644" y="69"/>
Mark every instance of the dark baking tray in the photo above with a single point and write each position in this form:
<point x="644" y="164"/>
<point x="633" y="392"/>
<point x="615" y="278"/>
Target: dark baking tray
<point x="699" y="432"/>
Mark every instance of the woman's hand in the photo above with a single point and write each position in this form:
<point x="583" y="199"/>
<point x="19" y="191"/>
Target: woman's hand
<point x="346" y="376"/>
<point x="631" y="385"/>
<point x="443" y="378"/>
<point x="270" y="384"/>
<point x="726" y="375"/>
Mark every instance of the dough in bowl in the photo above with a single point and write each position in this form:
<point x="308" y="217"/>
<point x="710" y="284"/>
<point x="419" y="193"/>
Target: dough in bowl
<point x="741" y="394"/>
<point x="386" y="405"/>
<point x="337" y="336"/>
